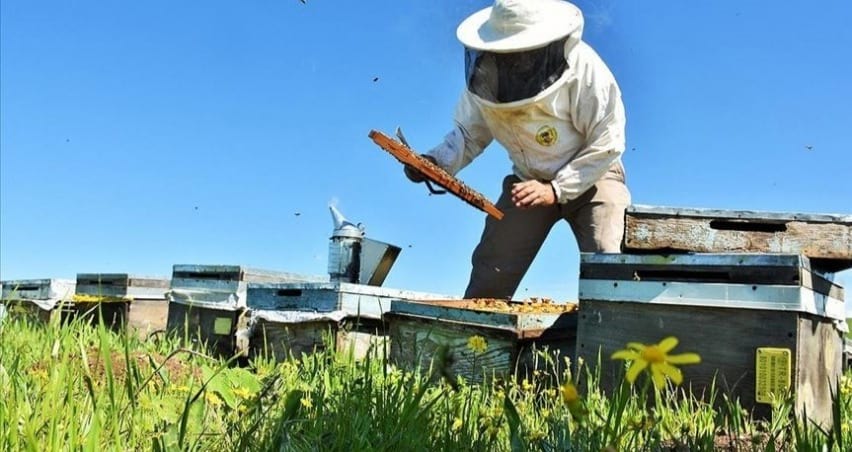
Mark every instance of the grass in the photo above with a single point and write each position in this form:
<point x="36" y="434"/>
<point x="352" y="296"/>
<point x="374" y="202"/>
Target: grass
<point x="79" y="387"/>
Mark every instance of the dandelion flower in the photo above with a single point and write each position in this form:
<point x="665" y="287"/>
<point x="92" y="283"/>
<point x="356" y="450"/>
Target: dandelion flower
<point x="571" y="398"/>
<point x="242" y="393"/>
<point x="306" y="402"/>
<point x="657" y="358"/>
<point x="212" y="399"/>
<point x="457" y="424"/>
<point x="477" y="344"/>
<point x="570" y="394"/>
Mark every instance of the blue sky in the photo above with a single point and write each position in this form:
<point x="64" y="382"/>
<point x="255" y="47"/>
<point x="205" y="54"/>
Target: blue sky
<point x="138" y="135"/>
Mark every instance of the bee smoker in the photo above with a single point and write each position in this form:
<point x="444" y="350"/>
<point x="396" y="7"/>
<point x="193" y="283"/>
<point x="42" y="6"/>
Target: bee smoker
<point x="353" y="258"/>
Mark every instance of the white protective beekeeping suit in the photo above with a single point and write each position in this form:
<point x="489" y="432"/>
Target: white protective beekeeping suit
<point x="569" y="133"/>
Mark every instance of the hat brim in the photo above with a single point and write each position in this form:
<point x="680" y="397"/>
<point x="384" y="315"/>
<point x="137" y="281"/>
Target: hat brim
<point x="476" y="32"/>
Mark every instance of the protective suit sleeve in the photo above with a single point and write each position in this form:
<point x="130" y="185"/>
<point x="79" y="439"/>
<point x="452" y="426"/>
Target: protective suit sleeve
<point x="596" y="111"/>
<point x="466" y="141"/>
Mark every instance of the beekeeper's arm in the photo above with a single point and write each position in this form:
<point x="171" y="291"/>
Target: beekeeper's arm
<point x="597" y="112"/>
<point x="466" y="141"/>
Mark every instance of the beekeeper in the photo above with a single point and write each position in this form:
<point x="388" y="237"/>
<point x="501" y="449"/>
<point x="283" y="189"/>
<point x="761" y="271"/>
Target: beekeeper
<point x="552" y="103"/>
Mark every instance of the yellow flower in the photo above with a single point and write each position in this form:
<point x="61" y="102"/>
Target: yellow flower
<point x="306" y="402"/>
<point x="845" y="385"/>
<point x="182" y="388"/>
<point x="526" y="385"/>
<point x="212" y="399"/>
<point x="657" y="358"/>
<point x="570" y="394"/>
<point x="477" y="344"/>
<point x="242" y="393"/>
<point x="535" y="435"/>
<point x="571" y="398"/>
<point x="39" y="374"/>
<point x="457" y="424"/>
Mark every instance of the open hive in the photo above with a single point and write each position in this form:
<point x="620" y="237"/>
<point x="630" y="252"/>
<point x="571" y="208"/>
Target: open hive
<point x="480" y="338"/>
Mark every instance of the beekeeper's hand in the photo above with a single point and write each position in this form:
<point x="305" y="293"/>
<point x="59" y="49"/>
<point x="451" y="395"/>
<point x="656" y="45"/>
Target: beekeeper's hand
<point x="533" y="193"/>
<point x="415" y="175"/>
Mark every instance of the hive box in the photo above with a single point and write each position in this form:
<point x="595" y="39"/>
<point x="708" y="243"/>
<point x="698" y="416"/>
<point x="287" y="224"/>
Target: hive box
<point x="436" y="334"/>
<point x="121" y="299"/>
<point x="42" y="299"/>
<point x="206" y="302"/>
<point x="295" y="318"/>
<point x="763" y="324"/>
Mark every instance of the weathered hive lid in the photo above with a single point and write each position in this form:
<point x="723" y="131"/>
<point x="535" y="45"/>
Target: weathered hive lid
<point x="825" y="238"/>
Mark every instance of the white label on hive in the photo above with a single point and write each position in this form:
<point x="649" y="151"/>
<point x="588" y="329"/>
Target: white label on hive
<point x="222" y="325"/>
<point x="772" y="372"/>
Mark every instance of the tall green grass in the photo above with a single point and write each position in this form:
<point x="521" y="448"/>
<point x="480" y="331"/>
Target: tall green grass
<point x="78" y="387"/>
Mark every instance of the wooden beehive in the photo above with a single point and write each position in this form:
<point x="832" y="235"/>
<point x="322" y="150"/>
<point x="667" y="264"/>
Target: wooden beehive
<point x="208" y="302"/>
<point x="297" y="317"/>
<point x="44" y="300"/>
<point x="437" y="334"/>
<point x="732" y="309"/>
<point x="121" y="299"/>
<point x="824" y="238"/>
<point x="281" y="335"/>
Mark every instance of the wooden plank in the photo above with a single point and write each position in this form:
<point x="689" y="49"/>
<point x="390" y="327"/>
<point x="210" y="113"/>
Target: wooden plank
<point x="825" y="239"/>
<point x="434" y="173"/>
<point x="762" y="216"/>
<point x="820" y="365"/>
<point x="154" y="283"/>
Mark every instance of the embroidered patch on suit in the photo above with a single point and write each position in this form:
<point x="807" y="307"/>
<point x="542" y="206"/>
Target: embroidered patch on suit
<point x="546" y="136"/>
